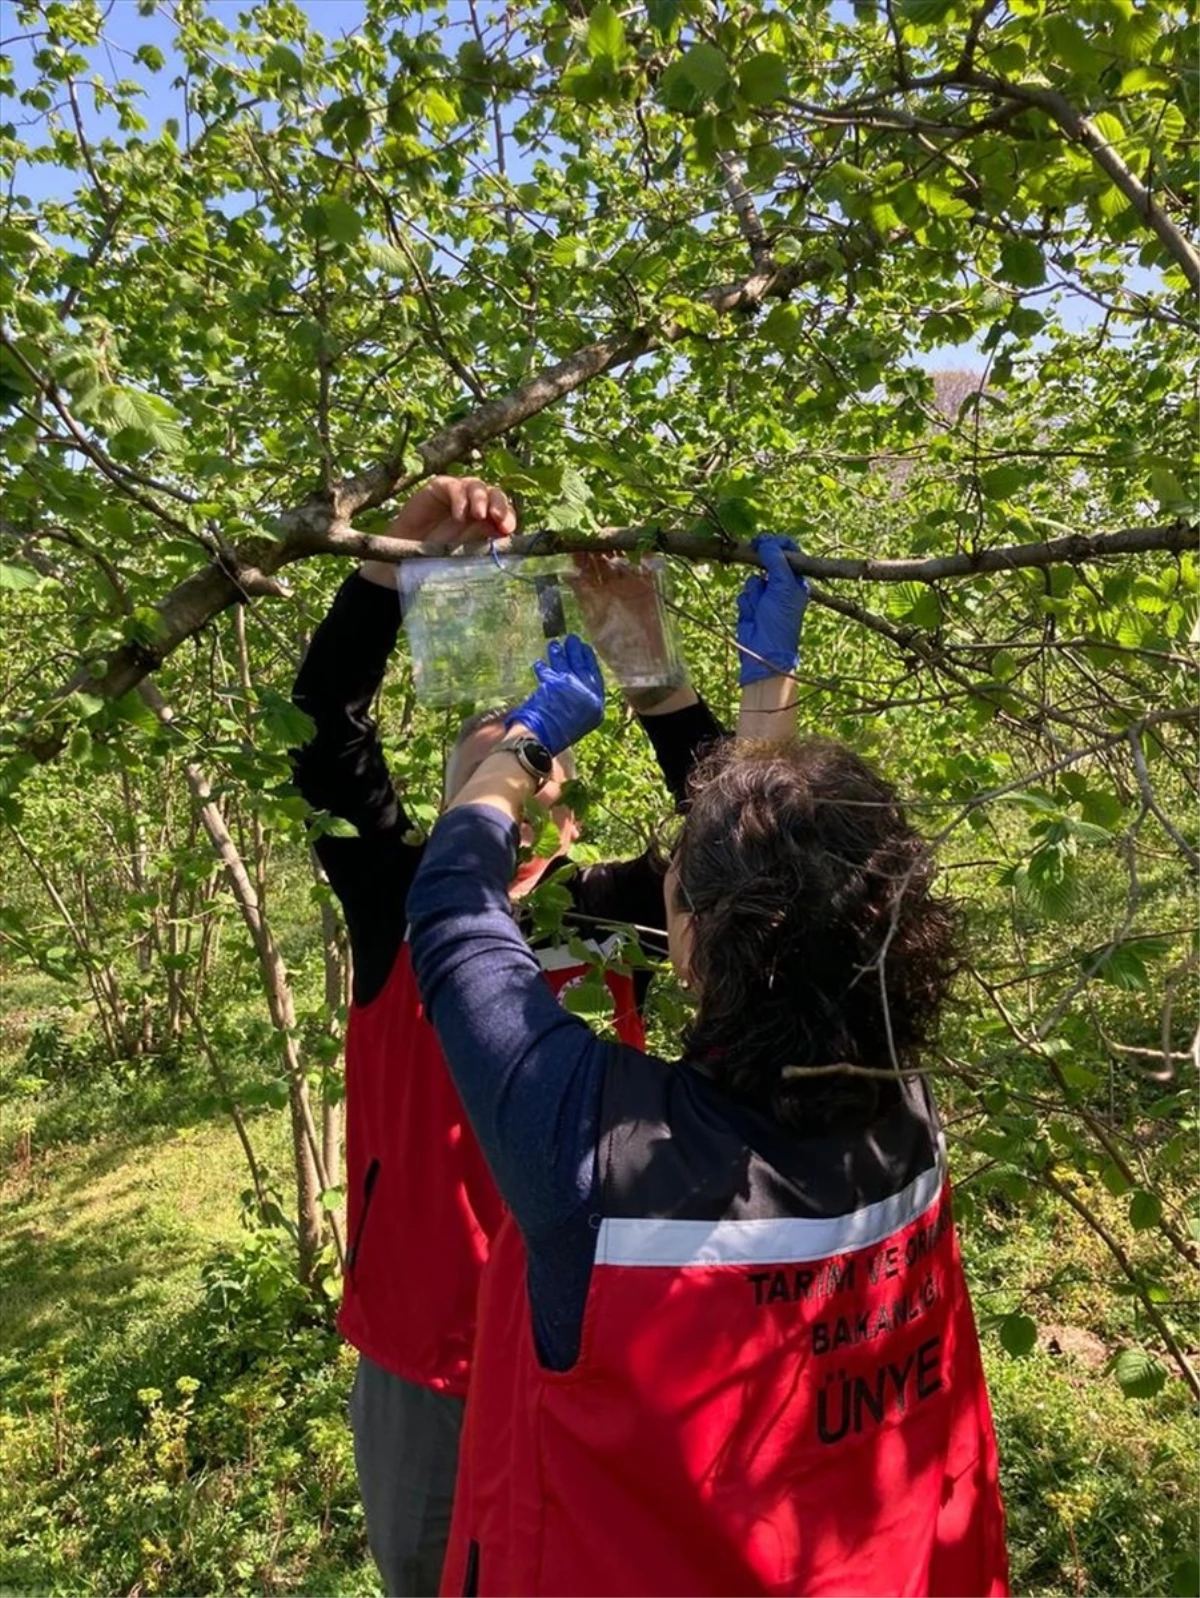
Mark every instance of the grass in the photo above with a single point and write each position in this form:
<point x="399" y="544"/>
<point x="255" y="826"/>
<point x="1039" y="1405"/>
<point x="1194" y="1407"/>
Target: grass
<point x="170" y="1423"/>
<point x="99" y="1240"/>
<point x="1100" y="1490"/>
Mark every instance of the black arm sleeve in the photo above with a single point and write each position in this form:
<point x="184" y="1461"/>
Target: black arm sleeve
<point x="342" y="769"/>
<point x="679" y="740"/>
<point x="631" y="891"/>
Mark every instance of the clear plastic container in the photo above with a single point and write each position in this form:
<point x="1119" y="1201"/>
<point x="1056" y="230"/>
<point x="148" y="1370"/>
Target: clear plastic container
<point x="476" y="625"/>
<point x="625" y="614"/>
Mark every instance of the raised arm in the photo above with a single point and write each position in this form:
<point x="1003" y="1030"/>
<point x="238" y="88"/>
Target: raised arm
<point x="630" y="892"/>
<point x="528" y="1073"/>
<point x="770" y="613"/>
<point x="621" y="606"/>
<point x="342" y="768"/>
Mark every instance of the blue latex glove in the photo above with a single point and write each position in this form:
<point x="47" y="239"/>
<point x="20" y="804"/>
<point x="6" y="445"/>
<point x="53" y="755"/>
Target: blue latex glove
<point x="569" y="699"/>
<point x="770" y="611"/>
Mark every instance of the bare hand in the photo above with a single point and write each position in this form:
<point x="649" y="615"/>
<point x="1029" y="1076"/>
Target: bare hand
<point x="448" y="512"/>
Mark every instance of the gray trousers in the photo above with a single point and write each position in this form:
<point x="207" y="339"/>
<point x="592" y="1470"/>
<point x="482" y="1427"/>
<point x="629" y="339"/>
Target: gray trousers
<point x="406" y="1452"/>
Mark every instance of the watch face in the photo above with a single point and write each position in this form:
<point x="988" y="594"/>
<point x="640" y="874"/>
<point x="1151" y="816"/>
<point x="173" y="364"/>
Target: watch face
<point x="539" y="757"/>
<point x="535" y="757"/>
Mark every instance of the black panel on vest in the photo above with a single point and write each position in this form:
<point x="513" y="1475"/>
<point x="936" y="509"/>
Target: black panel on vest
<point x="673" y="1146"/>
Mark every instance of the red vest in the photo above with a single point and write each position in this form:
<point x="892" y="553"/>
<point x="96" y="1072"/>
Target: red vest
<point x="778" y="1389"/>
<point x="422" y="1207"/>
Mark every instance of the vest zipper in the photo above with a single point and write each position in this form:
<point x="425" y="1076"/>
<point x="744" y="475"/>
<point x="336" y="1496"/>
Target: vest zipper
<point x="368" y="1188"/>
<point x="471" y="1579"/>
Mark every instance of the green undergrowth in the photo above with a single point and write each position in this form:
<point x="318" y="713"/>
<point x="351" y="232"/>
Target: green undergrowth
<point x="1099" y="1490"/>
<point x="173" y="1411"/>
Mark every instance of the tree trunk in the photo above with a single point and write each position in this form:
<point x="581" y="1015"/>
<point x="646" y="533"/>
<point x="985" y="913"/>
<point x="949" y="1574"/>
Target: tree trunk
<point x="106" y="1001"/>
<point x="337" y="974"/>
<point x="144" y="945"/>
<point x="306" y="1148"/>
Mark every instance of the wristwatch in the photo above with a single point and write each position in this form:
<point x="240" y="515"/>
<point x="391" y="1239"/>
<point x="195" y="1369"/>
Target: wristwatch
<point x="534" y="759"/>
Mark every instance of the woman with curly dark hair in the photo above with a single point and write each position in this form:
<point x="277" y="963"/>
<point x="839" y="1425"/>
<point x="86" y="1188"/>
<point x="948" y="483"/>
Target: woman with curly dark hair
<point x="725" y="1344"/>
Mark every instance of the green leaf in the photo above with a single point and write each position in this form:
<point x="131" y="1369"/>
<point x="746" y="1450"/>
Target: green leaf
<point x="286" y="723"/>
<point x="693" y="80"/>
<point x="342" y="221"/>
<point x="1145" y="1210"/>
<point x="783" y="326"/>
<point x="1122" y="967"/>
<point x="1018" y="1334"/>
<point x="1048" y="882"/>
<point x="763" y="79"/>
<point x="1138" y="34"/>
<point x="86" y="705"/>
<point x="146" y="414"/>
<point x="924" y="13"/>
<point x="1139" y="1374"/>
<point x="589" y="85"/>
<point x="1021" y="263"/>
<point x="706" y="68"/>
<point x="1150" y="595"/>
<point x="1110" y="128"/>
<point x="1111" y="202"/>
<point x="915" y="603"/>
<point x="13" y="773"/>
<point x="389" y="260"/>
<point x="131" y="707"/>
<point x="1115" y="1180"/>
<point x="1085" y="831"/>
<point x="1102" y="809"/>
<point x="330" y="826"/>
<point x="439" y="110"/>
<point x="548" y="903"/>
<point x="571" y="507"/>
<point x="1166" y="488"/>
<point x="1070" y="44"/>
<point x="605" y="32"/>
<point x="348" y="120"/>
<point x="1140" y="80"/>
<point x="283" y="63"/>
<point x="1001" y="482"/>
<point x="588" y="997"/>
<point x="1078" y="1076"/>
<point x="737" y="516"/>
<point x="693" y="315"/>
<point x="17" y="578"/>
<point x="663" y="16"/>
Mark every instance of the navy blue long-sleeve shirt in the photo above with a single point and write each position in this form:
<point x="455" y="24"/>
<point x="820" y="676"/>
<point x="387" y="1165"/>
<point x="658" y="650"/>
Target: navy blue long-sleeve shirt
<point x="529" y="1073"/>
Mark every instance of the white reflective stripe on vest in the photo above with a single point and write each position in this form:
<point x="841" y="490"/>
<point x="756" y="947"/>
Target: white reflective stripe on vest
<point x="775" y="1241"/>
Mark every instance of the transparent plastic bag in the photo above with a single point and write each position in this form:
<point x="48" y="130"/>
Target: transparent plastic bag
<point x="475" y="626"/>
<point x="625" y="615"/>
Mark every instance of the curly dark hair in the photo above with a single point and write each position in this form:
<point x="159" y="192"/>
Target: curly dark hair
<point x="817" y="940"/>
